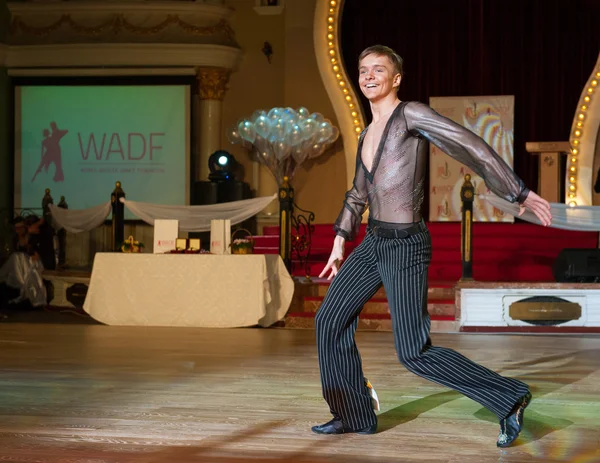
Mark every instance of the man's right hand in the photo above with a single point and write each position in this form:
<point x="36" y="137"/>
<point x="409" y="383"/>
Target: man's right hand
<point x="335" y="259"/>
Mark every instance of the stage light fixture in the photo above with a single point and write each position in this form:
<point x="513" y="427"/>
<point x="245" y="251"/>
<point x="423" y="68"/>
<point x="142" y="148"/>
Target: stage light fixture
<point x="222" y="166"/>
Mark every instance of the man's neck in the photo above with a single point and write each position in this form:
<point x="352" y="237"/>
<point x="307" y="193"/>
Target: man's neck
<point x="383" y="108"/>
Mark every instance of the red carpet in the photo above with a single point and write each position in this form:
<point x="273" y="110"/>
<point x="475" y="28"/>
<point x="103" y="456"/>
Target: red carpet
<point x="501" y="251"/>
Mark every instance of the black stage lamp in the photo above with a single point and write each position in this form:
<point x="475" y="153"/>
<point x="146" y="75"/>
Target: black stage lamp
<point x="222" y="166"/>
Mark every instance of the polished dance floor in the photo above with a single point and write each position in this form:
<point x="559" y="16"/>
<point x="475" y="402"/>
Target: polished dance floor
<point x="98" y="394"/>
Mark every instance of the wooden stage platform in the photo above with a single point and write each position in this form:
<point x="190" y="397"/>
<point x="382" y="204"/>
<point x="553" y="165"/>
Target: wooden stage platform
<point x="98" y="394"/>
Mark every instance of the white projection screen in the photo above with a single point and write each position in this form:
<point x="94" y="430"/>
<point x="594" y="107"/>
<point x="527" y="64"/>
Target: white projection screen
<point x="79" y="140"/>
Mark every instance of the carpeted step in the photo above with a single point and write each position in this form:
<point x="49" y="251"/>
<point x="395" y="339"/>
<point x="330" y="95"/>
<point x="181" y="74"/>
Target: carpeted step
<point x="379" y="308"/>
<point x="309" y="294"/>
<point x="369" y="324"/>
<point x="265" y="250"/>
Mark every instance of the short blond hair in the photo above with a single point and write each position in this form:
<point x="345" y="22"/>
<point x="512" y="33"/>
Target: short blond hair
<point x="382" y="50"/>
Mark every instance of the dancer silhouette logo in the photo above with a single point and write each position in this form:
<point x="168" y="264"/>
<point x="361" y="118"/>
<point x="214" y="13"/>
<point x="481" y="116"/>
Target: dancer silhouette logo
<point x="51" y="153"/>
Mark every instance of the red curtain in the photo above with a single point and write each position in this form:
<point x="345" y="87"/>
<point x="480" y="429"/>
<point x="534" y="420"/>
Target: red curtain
<point x="540" y="51"/>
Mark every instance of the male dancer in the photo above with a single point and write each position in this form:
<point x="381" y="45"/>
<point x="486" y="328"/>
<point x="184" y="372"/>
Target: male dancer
<point x="396" y="251"/>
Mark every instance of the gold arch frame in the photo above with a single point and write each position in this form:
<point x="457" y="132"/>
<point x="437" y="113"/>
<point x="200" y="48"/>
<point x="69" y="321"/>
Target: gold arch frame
<point x="584" y="134"/>
<point x="343" y="97"/>
<point x="351" y="120"/>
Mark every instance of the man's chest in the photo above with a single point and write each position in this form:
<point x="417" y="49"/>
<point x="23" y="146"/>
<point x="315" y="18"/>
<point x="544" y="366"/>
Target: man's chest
<point x="370" y="146"/>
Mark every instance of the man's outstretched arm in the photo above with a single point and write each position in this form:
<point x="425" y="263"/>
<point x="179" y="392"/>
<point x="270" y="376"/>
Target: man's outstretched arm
<point x="472" y="151"/>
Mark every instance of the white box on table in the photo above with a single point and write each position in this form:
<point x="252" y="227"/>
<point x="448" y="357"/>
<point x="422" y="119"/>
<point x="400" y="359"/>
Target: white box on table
<point x="220" y="236"/>
<point x="166" y="233"/>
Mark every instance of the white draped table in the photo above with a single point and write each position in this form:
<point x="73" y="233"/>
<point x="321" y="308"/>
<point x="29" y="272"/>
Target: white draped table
<point x="197" y="290"/>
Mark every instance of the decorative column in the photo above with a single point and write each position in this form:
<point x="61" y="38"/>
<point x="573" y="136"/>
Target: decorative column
<point x="267" y="186"/>
<point x="212" y="85"/>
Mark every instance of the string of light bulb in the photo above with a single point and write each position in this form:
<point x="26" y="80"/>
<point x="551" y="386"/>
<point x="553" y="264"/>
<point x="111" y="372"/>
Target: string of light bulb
<point x="334" y="53"/>
<point x="577" y="133"/>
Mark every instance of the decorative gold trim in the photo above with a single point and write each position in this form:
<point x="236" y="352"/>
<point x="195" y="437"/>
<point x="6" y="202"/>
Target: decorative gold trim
<point x="468" y="236"/>
<point x="182" y="8"/>
<point x="221" y="27"/>
<point x="462" y="241"/>
<point x="283" y="229"/>
<point x="117" y="23"/>
<point x="113" y="71"/>
<point x="563" y="311"/>
<point x="549" y="160"/>
<point x="212" y="82"/>
<point x="584" y="131"/>
<point x="345" y="101"/>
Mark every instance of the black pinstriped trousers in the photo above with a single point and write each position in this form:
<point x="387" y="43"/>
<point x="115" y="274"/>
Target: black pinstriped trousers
<point x="401" y="266"/>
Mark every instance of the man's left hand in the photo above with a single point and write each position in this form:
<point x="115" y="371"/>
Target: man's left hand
<point x="539" y="206"/>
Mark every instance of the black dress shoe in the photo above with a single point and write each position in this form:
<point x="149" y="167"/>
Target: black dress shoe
<point x="335" y="426"/>
<point x="511" y="426"/>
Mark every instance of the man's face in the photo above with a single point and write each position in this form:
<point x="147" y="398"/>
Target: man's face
<point x="377" y="77"/>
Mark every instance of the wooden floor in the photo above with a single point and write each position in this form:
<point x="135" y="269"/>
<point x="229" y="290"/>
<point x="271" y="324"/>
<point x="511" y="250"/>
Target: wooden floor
<point x="97" y="394"/>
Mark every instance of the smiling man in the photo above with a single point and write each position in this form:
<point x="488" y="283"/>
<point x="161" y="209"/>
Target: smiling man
<point x="390" y="178"/>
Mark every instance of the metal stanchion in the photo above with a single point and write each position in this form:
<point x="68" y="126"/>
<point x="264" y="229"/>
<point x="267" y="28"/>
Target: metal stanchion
<point x="286" y="209"/>
<point x="118" y="216"/>
<point x="467" y="195"/>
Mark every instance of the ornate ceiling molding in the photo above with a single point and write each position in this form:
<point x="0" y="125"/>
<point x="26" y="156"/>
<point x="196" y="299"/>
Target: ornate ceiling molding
<point x="130" y="55"/>
<point x="207" y="10"/>
<point x="45" y="23"/>
<point x="117" y="26"/>
<point x="101" y="72"/>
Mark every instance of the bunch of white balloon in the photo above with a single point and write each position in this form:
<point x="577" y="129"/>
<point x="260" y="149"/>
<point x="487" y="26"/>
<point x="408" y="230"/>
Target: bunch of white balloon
<point x="283" y="138"/>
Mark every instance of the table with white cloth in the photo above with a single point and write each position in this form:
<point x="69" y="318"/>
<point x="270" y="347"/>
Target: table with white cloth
<point x="194" y="290"/>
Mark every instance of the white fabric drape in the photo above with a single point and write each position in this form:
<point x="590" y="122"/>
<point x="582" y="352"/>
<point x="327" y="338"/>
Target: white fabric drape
<point x="191" y="218"/>
<point x="197" y="218"/>
<point x="79" y="220"/>
<point x="581" y="218"/>
<point x="24" y="273"/>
